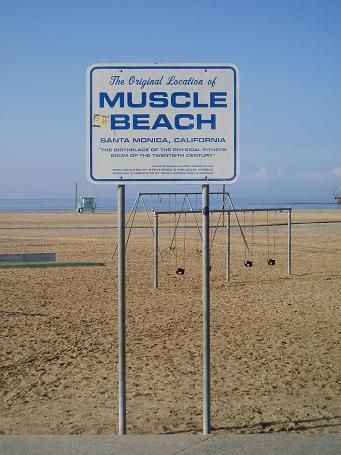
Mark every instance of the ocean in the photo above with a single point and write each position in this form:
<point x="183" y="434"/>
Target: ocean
<point x="161" y="203"/>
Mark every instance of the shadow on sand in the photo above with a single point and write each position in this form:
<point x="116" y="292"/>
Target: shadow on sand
<point x="265" y="427"/>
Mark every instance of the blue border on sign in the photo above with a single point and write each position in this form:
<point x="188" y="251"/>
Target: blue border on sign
<point x="168" y="180"/>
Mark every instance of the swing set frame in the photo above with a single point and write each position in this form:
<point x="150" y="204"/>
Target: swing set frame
<point x="140" y="199"/>
<point x="247" y="263"/>
<point x="186" y="198"/>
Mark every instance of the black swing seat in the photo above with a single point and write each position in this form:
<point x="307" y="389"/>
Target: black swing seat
<point x="180" y="271"/>
<point x="172" y="248"/>
<point x="248" y="264"/>
<point x="271" y="261"/>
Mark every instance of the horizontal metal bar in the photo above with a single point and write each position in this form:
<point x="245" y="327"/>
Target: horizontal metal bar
<point x="179" y="194"/>
<point x="174" y="212"/>
<point x="277" y="209"/>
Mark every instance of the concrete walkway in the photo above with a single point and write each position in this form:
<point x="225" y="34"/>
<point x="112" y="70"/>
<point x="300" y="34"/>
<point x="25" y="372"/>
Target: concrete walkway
<point x="184" y="444"/>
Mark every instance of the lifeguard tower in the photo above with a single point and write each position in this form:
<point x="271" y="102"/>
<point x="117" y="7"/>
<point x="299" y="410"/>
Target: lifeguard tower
<point x="87" y="204"/>
<point x="337" y="198"/>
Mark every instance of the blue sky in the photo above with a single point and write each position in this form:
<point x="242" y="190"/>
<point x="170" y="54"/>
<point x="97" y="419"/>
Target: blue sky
<point x="288" y="53"/>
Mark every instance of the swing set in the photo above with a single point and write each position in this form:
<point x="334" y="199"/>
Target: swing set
<point x="180" y="270"/>
<point x="184" y="204"/>
<point x="271" y="244"/>
<point x="247" y="233"/>
<point x="177" y="203"/>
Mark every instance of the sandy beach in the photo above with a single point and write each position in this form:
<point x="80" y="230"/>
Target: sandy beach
<point x="275" y="338"/>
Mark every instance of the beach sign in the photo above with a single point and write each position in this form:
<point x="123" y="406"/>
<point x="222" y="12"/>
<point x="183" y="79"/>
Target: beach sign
<point x="157" y="123"/>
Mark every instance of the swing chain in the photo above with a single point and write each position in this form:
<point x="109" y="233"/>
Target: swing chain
<point x="248" y="262"/>
<point x="271" y="260"/>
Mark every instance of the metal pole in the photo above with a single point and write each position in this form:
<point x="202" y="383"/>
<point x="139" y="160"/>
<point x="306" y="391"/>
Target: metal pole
<point x="240" y="228"/>
<point x="228" y="246"/>
<point x="156" y="250"/>
<point x="177" y="222"/>
<point x="289" y="242"/>
<point x="121" y="312"/>
<point x="223" y="203"/>
<point x="76" y="197"/>
<point x="206" y="306"/>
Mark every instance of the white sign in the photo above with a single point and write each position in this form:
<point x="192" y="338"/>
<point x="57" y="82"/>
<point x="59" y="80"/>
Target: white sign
<point x="157" y="122"/>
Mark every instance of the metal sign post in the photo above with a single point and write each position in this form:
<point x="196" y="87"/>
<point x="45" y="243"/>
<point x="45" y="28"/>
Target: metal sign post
<point x="206" y="351"/>
<point x="156" y="250"/>
<point x="228" y="246"/>
<point x="122" y="428"/>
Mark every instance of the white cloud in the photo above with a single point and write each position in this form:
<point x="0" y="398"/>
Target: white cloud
<point x="264" y="175"/>
<point x="311" y="176"/>
<point x="318" y="176"/>
<point x="337" y="171"/>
